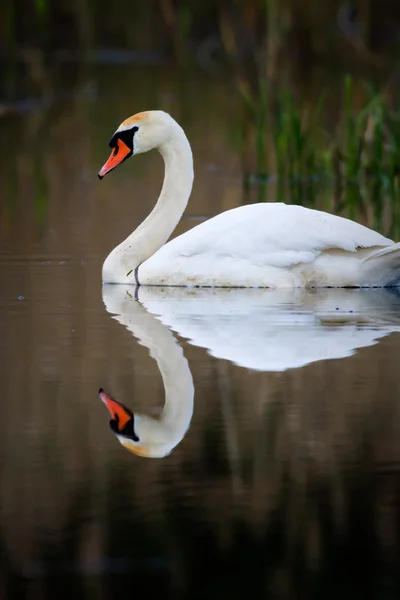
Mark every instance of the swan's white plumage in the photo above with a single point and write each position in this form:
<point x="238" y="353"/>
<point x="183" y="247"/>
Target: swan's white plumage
<point x="258" y="245"/>
<point x="254" y="238"/>
<point x="272" y="233"/>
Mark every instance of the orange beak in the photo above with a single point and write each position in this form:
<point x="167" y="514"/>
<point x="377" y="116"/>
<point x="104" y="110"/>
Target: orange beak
<point x="117" y="410"/>
<point x="117" y="156"/>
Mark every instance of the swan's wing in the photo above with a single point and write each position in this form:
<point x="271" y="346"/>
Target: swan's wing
<point x="272" y="234"/>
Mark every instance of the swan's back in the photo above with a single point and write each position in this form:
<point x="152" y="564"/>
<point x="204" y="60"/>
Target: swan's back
<point x="272" y="236"/>
<point x="275" y="226"/>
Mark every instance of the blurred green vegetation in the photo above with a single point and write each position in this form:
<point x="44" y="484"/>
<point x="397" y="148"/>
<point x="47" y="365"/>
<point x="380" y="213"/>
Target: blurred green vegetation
<point x="284" y="58"/>
<point x="364" y="30"/>
<point x="354" y="163"/>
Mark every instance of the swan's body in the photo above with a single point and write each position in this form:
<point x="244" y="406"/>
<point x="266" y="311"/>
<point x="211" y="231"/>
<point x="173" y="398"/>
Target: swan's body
<point x="260" y="245"/>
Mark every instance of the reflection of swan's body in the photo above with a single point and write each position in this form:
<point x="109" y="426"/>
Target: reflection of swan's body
<point x="143" y="435"/>
<point x="259" y="245"/>
<point x="272" y="330"/>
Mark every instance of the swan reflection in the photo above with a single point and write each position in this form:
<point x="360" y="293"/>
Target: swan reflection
<point x="141" y="434"/>
<point x="265" y="330"/>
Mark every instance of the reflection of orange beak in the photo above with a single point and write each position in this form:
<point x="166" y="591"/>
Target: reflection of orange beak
<point x="119" y="153"/>
<point x="117" y="410"/>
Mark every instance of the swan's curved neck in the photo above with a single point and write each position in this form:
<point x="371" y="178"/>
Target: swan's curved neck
<point x="120" y="265"/>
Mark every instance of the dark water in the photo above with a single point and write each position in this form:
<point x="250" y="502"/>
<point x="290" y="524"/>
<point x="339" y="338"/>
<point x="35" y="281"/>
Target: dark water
<point x="286" y="483"/>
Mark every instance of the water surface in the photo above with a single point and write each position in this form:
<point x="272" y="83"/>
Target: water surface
<point x="285" y="483"/>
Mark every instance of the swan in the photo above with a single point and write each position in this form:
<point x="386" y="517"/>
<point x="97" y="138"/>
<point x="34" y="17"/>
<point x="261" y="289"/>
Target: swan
<point x="141" y="434"/>
<point x="259" y="245"/>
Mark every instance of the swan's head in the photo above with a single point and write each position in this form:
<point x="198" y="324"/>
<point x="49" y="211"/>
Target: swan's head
<point x="137" y="134"/>
<point x="139" y="434"/>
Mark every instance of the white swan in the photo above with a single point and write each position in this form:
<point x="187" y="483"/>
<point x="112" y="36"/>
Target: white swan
<point x="258" y="245"/>
<point x="141" y="434"/>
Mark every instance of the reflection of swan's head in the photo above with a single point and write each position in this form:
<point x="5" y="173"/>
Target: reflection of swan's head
<point x="122" y="423"/>
<point x="139" y="434"/>
<point x="137" y="134"/>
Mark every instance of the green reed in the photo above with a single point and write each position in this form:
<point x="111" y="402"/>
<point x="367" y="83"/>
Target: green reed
<point x="352" y="164"/>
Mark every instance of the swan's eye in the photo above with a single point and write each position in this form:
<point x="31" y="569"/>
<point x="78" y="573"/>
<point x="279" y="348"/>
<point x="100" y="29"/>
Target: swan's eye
<point x="135" y="129"/>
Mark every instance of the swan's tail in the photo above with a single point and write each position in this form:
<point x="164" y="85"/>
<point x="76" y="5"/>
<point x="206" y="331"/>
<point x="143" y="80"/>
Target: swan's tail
<point x="383" y="266"/>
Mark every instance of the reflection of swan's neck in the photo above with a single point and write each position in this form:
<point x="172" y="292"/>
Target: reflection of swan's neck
<point x="157" y="436"/>
<point x="155" y="230"/>
<point x="174" y="420"/>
